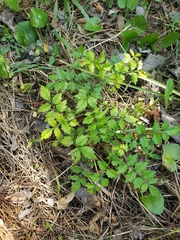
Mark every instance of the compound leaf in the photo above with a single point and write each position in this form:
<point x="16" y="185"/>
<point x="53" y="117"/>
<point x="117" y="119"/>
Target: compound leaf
<point x="87" y="152"/>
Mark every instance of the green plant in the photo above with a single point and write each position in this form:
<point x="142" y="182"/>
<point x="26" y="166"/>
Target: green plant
<point x="136" y="27"/>
<point x="92" y="24"/>
<point x="5" y="71"/>
<point x="25" y="32"/>
<point x="49" y="226"/>
<point x="128" y="4"/>
<point x="13" y="4"/>
<point x="110" y="3"/>
<point x="173" y="23"/>
<point x="79" y="117"/>
<point x="6" y="35"/>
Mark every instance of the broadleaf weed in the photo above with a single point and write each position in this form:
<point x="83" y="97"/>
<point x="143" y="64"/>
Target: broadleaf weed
<point x="79" y="117"/>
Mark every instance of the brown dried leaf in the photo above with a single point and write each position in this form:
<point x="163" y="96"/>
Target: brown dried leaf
<point x="99" y="7"/>
<point x="81" y="20"/>
<point x="24" y="213"/>
<point x="21" y="197"/>
<point x="153" y="115"/>
<point x="14" y="145"/>
<point x="62" y="204"/>
<point x="81" y="30"/>
<point x="120" y="22"/>
<point x="93" y="226"/>
<point x="7" y="17"/>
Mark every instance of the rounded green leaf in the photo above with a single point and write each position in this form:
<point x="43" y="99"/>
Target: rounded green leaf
<point x="76" y="186"/>
<point x="92" y="24"/>
<point x="25" y="33"/>
<point x="171" y="152"/>
<point x="138" y="23"/>
<point x="13" y="4"/>
<point x="154" y="202"/>
<point x="105" y="182"/>
<point x="111" y="173"/>
<point x="128" y="36"/>
<point x="38" y="18"/>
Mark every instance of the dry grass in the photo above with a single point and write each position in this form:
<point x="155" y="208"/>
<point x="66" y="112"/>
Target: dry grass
<point x="29" y="175"/>
<point x="118" y="216"/>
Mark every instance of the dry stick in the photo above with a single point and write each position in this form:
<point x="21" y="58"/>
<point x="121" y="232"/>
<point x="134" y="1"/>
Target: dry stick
<point x="158" y="84"/>
<point x="109" y="39"/>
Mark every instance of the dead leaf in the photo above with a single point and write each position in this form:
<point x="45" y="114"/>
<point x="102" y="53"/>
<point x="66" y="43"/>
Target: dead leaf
<point x="46" y="47"/>
<point x="50" y="202"/>
<point x="14" y="144"/>
<point x="153" y="115"/>
<point x="62" y="204"/>
<point x="98" y="202"/>
<point x="58" y="26"/>
<point x="114" y="11"/>
<point x="38" y="125"/>
<point x="99" y="7"/>
<point x="26" y="129"/>
<point x="7" y="17"/>
<point x="93" y="226"/>
<point x="24" y="213"/>
<point x="3" y="184"/>
<point x="120" y="22"/>
<point x="136" y="233"/>
<point x="140" y="11"/>
<point x="92" y="11"/>
<point x="18" y="103"/>
<point x="85" y="197"/>
<point x="152" y="61"/>
<point x="20" y="197"/>
<point x="171" y="121"/>
<point x="81" y="20"/>
<point x="81" y="30"/>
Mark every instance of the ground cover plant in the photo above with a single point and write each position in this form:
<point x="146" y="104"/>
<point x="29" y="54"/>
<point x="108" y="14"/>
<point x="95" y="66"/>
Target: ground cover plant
<point x="89" y="125"/>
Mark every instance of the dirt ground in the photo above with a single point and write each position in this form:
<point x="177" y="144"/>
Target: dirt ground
<point x="35" y="191"/>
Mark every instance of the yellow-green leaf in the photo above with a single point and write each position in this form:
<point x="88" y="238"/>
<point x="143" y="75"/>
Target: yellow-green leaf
<point x="46" y="133"/>
<point x="45" y="93"/>
<point x="45" y="107"/>
<point x="57" y="132"/>
<point x="57" y="98"/>
<point x="81" y="140"/>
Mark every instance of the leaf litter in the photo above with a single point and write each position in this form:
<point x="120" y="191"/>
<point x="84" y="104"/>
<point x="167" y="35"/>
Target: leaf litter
<point x="31" y="189"/>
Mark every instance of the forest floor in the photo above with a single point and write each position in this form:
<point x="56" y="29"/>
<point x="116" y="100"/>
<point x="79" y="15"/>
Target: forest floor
<point x="35" y="191"/>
